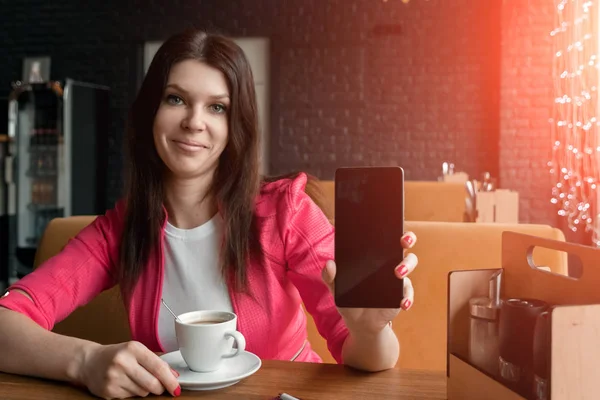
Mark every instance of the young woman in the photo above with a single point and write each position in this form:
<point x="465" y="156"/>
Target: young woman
<point x="199" y="229"/>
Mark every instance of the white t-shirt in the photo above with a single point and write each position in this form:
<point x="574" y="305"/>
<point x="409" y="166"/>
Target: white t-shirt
<point x="192" y="275"/>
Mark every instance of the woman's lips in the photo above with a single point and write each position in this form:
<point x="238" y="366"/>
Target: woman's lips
<point x="191" y="147"/>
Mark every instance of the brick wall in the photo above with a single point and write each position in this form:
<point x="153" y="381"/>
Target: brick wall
<point x="390" y="84"/>
<point x="357" y="82"/>
<point x="526" y="106"/>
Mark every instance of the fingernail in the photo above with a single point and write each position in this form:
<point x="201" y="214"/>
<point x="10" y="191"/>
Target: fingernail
<point x="175" y="373"/>
<point x="408" y="240"/>
<point x="177" y="392"/>
<point x="407" y="304"/>
<point x="402" y="271"/>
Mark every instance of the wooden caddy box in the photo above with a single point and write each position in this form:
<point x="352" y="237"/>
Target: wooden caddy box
<point x="575" y="320"/>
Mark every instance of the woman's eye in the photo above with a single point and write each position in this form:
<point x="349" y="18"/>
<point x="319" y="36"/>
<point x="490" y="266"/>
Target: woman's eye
<point x="218" y="108"/>
<point x="174" y="100"/>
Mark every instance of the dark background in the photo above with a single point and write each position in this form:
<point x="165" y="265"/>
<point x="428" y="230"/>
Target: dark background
<point x="361" y="82"/>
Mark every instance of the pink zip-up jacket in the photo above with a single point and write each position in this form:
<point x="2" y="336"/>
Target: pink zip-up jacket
<point x="297" y="240"/>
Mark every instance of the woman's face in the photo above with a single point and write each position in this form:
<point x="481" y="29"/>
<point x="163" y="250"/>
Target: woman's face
<point x="190" y="128"/>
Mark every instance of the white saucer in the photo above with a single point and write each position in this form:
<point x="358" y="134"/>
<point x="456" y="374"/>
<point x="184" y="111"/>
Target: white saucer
<point x="231" y="372"/>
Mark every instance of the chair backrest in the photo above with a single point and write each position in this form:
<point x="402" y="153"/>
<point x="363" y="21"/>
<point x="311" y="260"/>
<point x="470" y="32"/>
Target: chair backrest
<point x="441" y="248"/>
<point x="103" y="320"/>
<point x="424" y="200"/>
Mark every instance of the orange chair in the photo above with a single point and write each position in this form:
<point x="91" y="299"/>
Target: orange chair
<point x="424" y="200"/>
<point x="441" y="248"/>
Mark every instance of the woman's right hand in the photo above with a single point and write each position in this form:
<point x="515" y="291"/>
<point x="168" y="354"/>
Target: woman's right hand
<point x="126" y="370"/>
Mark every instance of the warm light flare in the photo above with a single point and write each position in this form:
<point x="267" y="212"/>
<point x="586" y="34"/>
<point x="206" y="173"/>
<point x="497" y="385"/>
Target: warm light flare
<point x="574" y="123"/>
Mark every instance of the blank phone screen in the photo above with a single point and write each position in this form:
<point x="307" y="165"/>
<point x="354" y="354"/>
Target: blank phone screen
<point x="369" y="222"/>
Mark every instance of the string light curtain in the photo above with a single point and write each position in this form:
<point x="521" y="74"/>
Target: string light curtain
<point x="574" y="164"/>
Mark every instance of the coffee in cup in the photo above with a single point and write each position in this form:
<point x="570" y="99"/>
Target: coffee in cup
<point x="206" y="338"/>
<point x="206" y="322"/>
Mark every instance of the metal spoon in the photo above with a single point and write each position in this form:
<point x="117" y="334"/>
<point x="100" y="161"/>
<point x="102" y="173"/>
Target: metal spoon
<point x="171" y="311"/>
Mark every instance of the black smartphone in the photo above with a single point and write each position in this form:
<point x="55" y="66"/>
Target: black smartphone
<point x="369" y="222"/>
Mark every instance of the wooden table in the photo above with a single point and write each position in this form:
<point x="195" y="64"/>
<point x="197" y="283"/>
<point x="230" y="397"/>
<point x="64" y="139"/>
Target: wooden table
<point x="303" y="380"/>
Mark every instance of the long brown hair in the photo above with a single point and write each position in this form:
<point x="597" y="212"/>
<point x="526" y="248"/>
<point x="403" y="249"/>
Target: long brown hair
<point x="236" y="180"/>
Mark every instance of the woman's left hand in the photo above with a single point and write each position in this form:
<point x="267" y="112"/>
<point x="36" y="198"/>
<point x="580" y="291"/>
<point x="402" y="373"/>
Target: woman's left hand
<point x="375" y="319"/>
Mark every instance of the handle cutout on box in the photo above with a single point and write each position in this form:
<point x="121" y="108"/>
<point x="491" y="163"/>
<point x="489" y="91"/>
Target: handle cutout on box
<point x="556" y="262"/>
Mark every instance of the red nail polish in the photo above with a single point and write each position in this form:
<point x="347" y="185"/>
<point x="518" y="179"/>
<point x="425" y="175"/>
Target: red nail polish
<point x="409" y="240"/>
<point x="402" y="271"/>
<point x="407" y="304"/>
<point x="177" y="392"/>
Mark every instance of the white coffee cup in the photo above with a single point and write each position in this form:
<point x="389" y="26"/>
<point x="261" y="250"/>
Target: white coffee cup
<point x="205" y="338"/>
